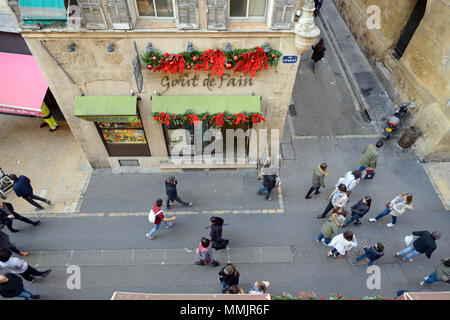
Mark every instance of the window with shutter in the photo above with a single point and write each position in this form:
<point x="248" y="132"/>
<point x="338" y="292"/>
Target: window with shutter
<point x="187" y="17"/>
<point x="118" y="14"/>
<point x="217" y="14"/>
<point x="283" y="14"/>
<point x="92" y="13"/>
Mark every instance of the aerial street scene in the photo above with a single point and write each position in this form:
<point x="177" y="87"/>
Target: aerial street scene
<point x="224" y="157"/>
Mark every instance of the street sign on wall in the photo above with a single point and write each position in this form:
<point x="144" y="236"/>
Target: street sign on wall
<point x="290" y="59"/>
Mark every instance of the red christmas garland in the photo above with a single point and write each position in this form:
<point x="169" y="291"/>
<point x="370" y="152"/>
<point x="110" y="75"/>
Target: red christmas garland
<point x="257" y="118"/>
<point x="252" y="62"/>
<point x="240" y="117"/>
<point x="213" y="60"/>
<point x="162" y="117"/>
<point x="174" y="63"/>
<point x="218" y="120"/>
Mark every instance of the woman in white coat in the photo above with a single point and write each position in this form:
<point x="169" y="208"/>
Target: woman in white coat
<point x="342" y="243"/>
<point x="396" y="208"/>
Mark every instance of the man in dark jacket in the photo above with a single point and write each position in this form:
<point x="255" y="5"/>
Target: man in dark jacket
<point x="22" y="188"/>
<point x="269" y="182"/>
<point x="228" y="277"/>
<point x="426" y="243"/>
<point x="216" y="233"/>
<point x="374" y="253"/>
<point x="11" y="286"/>
<point x="7" y="215"/>
<point x="172" y="195"/>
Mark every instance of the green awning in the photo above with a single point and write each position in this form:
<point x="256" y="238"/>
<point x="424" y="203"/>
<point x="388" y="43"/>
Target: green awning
<point x="106" y="108"/>
<point x="204" y="104"/>
<point x="42" y="11"/>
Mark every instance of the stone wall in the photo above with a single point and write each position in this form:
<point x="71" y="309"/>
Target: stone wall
<point x="422" y="74"/>
<point x="98" y="72"/>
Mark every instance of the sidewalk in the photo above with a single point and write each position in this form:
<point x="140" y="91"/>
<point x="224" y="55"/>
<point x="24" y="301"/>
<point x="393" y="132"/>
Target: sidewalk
<point x="439" y="174"/>
<point x="53" y="161"/>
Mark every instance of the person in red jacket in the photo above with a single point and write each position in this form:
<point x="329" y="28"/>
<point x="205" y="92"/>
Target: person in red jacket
<point x="159" y="217"/>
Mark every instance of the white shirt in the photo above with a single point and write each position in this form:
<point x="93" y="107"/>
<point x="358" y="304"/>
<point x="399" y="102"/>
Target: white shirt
<point x="15" y="265"/>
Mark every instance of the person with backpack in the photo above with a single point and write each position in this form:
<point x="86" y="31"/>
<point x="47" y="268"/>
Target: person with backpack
<point x="156" y="216"/>
<point x="216" y="233"/>
<point x="359" y="209"/>
<point x="228" y="276"/>
<point x="205" y="253"/>
<point x="20" y="267"/>
<point x="172" y="194"/>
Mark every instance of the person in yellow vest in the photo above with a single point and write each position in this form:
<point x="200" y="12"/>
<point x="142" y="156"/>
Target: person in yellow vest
<point x="48" y="117"/>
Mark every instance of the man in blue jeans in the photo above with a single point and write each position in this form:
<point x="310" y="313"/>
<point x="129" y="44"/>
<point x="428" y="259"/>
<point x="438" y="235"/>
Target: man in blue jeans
<point x="159" y="217"/>
<point x="374" y="253"/>
<point x="441" y="273"/>
<point x="269" y="182"/>
<point x="426" y="243"/>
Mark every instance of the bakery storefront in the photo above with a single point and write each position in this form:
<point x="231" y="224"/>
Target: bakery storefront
<point x="117" y="121"/>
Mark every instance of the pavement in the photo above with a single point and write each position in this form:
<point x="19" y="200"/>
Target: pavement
<point x="269" y="240"/>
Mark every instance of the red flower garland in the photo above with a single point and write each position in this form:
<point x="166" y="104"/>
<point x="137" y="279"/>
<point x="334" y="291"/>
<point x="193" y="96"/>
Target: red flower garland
<point x="163" y="117"/>
<point x="173" y="63"/>
<point x="240" y="117"/>
<point x="252" y="62"/>
<point x="213" y="60"/>
<point x="257" y="118"/>
<point x="192" y="118"/>
<point x="218" y="120"/>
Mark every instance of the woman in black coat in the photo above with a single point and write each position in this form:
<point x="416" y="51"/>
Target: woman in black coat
<point x="216" y="233"/>
<point x="318" y="52"/>
<point x="359" y="209"/>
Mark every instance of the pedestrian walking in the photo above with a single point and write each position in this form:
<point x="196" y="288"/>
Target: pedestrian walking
<point x="205" y="253"/>
<point x="318" y="179"/>
<point x="369" y="157"/>
<point x="331" y="227"/>
<point x="317" y="5"/>
<point x="269" y="182"/>
<point x="11" y="286"/>
<point x="7" y="216"/>
<point x="338" y="200"/>
<point x="216" y="233"/>
<point x="259" y="287"/>
<point x="172" y="195"/>
<point x="22" y="188"/>
<point x="318" y="52"/>
<point x="228" y="276"/>
<point x="342" y="243"/>
<point x="156" y="216"/>
<point x="441" y="273"/>
<point x="359" y="209"/>
<point x="372" y="254"/>
<point x="6" y="244"/>
<point x="426" y="243"/>
<point x="235" y="289"/>
<point x="396" y="208"/>
<point x="20" y="267"/>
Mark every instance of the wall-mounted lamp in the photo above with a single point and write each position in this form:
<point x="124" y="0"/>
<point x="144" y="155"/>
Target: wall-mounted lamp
<point x="298" y="13"/>
<point x="149" y="48"/>
<point x="131" y="92"/>
<point x="266" y="47"/>
<point x="228" y="47"/>
<point x="189" y="48"/>
<point x="110" y="47"/>
<point x="71" y="47"/>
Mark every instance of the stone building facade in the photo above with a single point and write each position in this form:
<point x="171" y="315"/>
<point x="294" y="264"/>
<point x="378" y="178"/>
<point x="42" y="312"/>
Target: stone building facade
<point x="99" y="61"/>
<point x="412" y="48"/>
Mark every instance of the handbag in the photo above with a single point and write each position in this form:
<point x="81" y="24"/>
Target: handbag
<point x="408" y="240"/>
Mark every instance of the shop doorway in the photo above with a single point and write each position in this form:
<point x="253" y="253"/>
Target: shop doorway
<point x="410" y="28"/>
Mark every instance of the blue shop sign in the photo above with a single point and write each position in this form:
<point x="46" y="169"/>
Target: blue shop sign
<point x="289" y="59"/>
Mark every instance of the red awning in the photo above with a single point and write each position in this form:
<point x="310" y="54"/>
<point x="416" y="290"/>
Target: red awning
<point x="22" y="85"/>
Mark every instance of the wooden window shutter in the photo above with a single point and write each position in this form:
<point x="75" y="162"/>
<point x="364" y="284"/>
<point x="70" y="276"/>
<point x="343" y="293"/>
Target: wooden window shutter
<point x="92" y="13"/>
<point x="217" y="14"/>
<point x="283" y="14"/>
<point x="118" y="14"/>
<point x="187" y="14"/>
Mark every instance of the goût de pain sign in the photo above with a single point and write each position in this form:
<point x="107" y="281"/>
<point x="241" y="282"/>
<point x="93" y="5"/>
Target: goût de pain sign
<point x="214" y="63"/>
